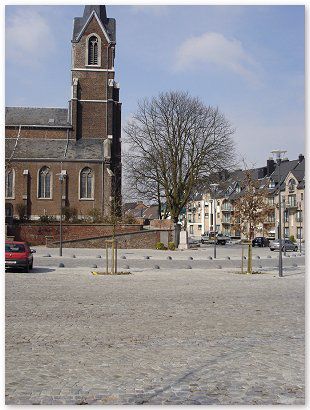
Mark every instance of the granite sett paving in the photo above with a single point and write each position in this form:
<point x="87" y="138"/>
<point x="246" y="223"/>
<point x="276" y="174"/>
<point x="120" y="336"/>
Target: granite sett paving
<point x="154" y="337"/>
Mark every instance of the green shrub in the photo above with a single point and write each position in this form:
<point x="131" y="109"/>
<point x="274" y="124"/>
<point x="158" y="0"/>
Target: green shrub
<point x="129" y="219"/>
<point x="160" y="246"/>
<point x="96" y="215"/>
<point x="171" y="246"/>
<point x="292" y="238"/>
<point x="70" y="214"/>
<point x="47" y="218"/>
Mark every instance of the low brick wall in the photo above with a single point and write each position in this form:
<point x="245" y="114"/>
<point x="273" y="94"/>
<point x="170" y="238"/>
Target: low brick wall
<point x="135" y="240"/>
<point x="161" y="224"/>
<point x="36" y="234"/>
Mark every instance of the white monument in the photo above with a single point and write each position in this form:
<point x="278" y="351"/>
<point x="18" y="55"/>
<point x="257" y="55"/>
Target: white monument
<point x="183" y="240"/>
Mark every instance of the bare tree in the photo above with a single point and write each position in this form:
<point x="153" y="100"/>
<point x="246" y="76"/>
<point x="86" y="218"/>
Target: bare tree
<point x="250" y="210"/>
<point x="175" y="142"/>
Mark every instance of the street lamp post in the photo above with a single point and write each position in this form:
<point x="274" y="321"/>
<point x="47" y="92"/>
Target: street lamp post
<point x="284" y="224"/>
<point x="214" y="186"/>
<point x="61" y="179"/>
<point x="278" y="153"/>
<point x="300" y="215"/>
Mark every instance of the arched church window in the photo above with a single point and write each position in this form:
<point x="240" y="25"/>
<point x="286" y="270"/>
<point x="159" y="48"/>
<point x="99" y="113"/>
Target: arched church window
<point x="44" y="190"/>
<point x="86" y="183"/>
<point x="93" y="50"/>
<point x="9" y="183"/>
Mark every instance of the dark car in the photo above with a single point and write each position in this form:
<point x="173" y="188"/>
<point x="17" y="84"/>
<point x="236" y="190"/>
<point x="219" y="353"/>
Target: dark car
<point x="286" y="244"/>
<point x="220" y="238"/>
<point x="18" y="255"/>
<point x="260" y="241"/>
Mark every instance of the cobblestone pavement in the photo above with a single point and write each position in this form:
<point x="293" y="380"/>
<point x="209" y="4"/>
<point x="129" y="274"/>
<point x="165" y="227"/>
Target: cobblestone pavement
<point x="154" y="337"/>
<point x="227" y="256"/>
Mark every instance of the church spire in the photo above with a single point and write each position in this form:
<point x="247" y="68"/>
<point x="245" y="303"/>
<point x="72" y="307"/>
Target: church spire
<point x="100" y="11"/>
<point x="108" y="23"/>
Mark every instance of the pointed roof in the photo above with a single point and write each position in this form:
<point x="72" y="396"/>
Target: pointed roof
<point x="107" y="23"/>
<point x="100" y="10"/>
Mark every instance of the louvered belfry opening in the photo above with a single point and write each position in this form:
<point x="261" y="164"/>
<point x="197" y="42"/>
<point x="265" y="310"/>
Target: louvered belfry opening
<point x="93" y="51"/>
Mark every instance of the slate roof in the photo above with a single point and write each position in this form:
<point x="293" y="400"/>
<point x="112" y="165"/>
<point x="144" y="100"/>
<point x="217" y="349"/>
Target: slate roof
<point x="108" y="23"/>
<point x="37" y="116"/>
<point x="90" y="149"/>
<point x="151" y="212"/>
<point x="285" y="168"/>
<point x="85" y="149"/>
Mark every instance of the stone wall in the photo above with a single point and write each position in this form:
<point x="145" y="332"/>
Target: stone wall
<point x="134" y="240"/>
<point x="36" y="234"/>
<point x="161" y="223"/>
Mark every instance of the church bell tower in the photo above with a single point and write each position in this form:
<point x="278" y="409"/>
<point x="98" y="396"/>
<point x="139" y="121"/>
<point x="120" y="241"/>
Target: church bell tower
<point x="94" y="107"/>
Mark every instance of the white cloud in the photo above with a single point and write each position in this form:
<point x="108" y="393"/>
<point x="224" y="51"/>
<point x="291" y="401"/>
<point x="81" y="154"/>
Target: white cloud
<point x="29" y="38"/>
<point x="158" y="10"/>
<point x="216" y="49"/>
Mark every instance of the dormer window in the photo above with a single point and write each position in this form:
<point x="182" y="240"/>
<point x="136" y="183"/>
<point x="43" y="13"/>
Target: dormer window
<point x="271" y="184"/>
<point x="93" y="52"/>
<point x="291" y="185"/>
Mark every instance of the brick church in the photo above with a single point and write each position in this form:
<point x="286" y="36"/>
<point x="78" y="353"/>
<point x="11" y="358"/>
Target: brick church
<point x="70" y="156"/>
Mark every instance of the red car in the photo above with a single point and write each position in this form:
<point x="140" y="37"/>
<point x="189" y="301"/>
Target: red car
<point x="18" y="255"/>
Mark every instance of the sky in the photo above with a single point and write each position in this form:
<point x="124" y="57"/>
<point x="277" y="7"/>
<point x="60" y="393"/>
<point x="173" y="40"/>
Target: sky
<point x="246" y="60"/>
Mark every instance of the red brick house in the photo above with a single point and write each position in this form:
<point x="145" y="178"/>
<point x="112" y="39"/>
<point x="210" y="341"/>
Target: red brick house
<point x="79" y="145"/>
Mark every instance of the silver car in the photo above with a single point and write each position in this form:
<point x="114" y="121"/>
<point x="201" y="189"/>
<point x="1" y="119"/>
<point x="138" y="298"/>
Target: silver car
<point x="287" y="245"/>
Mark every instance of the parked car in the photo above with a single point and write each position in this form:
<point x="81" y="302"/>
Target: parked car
<point x="260" y="241"/>
<point x="18" y="255"/>
<point x="220" y="238"/>
<point x="287" y="245"/>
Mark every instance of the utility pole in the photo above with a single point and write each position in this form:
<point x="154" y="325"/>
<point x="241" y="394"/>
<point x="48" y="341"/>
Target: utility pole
<point x="278" y="153"/>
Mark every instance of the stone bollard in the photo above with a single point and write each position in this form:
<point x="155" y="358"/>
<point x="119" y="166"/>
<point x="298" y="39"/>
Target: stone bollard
<point x="123" y="257"/>
<point x="61" y="265"/>
<point x="294" y="265"/>
<point x="257" y="257"/>
<point x="98" y="256"/>
<point x="188" y="267"/>
<point x="156" y="267"/>
<point x="219" y="267"/>
<point x="260" y="266"/>
<point x="48" y="255"/>
<point x="169" y="258"/>
<point x="94" y="266"/>
<point x="126" y="267"/>
<point x="210" y="258"/>
<point x="73" y="256"/>
<point x="146" y="257"/>
<point x="227" y="257"/>
<point x="190" y="258"/>
<point x="269" y="256"/>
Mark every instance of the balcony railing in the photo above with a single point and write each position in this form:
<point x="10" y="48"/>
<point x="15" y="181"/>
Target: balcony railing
<point x="226" y="208"/>
<point x="292" y="204"/>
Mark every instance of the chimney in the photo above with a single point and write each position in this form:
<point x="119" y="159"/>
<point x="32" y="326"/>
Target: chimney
<point x="300" y="157"/>
<point x="270" y="166"/>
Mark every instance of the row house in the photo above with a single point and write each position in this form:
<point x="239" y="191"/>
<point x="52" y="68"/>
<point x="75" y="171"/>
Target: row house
<point x="200" y="210"/>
